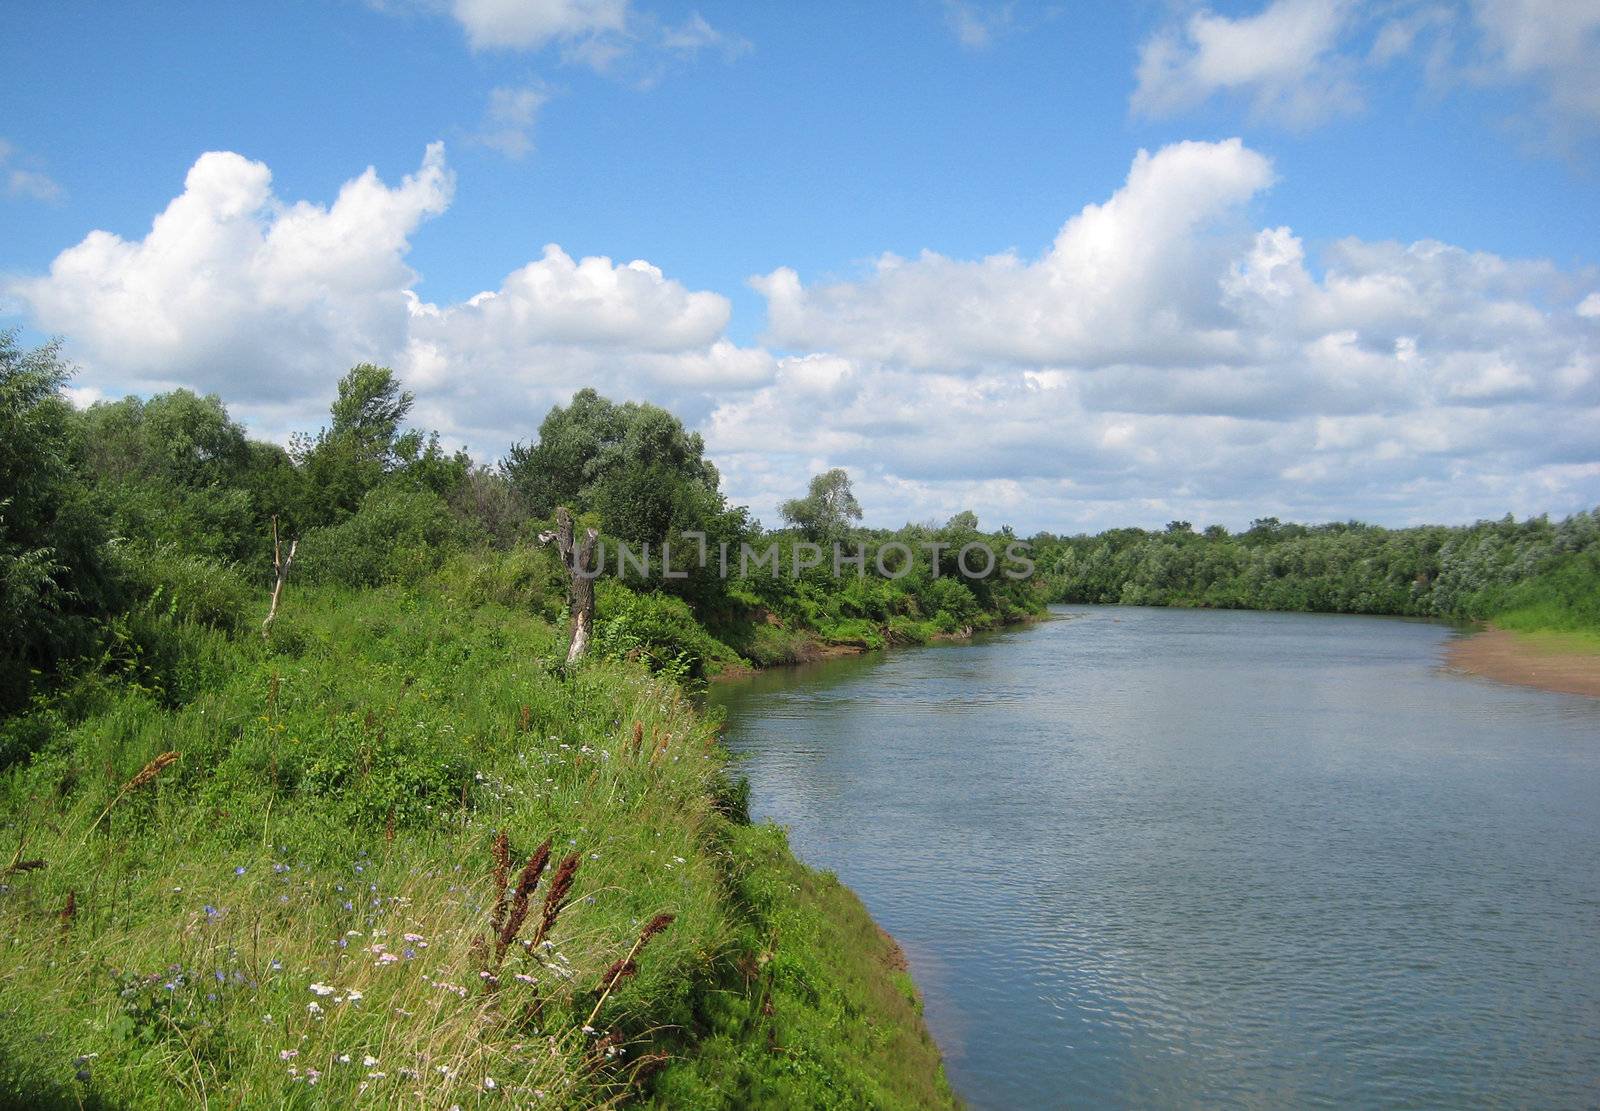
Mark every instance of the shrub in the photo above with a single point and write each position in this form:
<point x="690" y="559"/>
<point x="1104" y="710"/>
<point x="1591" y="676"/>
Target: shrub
<point x="657" y="628"/>
<point x="397" y="535"/>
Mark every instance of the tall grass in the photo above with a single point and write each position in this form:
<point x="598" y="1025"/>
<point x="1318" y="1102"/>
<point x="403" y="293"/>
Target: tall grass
<point x="309" y="906"/>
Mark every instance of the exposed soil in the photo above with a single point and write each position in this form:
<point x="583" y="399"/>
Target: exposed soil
<point x="1511" y="658"/>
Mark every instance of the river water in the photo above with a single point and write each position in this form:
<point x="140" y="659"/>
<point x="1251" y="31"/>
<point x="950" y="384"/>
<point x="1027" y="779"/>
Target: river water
<point x="1172" y="858"/>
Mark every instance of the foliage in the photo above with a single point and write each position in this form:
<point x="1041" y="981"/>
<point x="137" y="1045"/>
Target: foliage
<point x="828" y="511"/>
<point x="292" y="912"/>
<point x="397" y="535"/>
<point x="1532" y="574"/>
<point x="54" y="578"/>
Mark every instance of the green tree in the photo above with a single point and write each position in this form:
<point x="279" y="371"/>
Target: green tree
<point x="364" y="448"/>
<point x="54" y="577"/>
<point x="828" y="510"/>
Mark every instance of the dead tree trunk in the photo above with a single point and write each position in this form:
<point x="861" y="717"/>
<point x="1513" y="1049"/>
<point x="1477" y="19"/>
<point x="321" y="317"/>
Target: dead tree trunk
<point x="280" y="564"/>
<point x="578" y="558"/>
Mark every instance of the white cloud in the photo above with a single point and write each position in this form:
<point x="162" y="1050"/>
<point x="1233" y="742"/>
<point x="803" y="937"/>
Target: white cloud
<point x="1552" y="44"/>
<point x="608" y="36"/>
<point x="1118" y="282"/>
<point x="509" y="118"/>
<point x="694" y="34"/>
<point x="266" y="302"/>
<point x="24" y="182"/>
<point x="1161" y="358"/>
<point x="531" y="24"/>
<point x="1283" y="59"/>
<point x="1303" y="62"/>
<point x="975" y="23"/>
<point x="232" y="289"/>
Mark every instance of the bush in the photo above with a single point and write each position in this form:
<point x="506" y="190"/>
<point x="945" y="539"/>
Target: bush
<point x="657" y="628"/>
<point x="165" y="581"/>
<point x="397" y="535"/>
<point x="524" y="578"/>
<point x="775" y="646"/>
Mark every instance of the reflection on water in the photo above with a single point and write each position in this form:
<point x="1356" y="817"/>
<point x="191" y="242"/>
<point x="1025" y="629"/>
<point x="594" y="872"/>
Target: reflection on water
<point x="1168" y="858"/>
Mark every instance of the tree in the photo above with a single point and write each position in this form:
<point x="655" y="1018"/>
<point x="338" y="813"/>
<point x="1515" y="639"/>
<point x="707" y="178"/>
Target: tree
<point x="173" y="470"/>
<point x="54" y="575"/>
<point x="370" y="407"/>
<point x="827" y="511"/>
<point x="364" y="448"/>
<point x="634" y="465"/>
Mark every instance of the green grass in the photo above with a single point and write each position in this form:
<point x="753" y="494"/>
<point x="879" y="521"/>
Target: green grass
<point x="308" y="887"/>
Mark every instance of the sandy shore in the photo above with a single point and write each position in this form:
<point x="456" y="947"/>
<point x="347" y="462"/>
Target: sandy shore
<point x="1511" y="658"/>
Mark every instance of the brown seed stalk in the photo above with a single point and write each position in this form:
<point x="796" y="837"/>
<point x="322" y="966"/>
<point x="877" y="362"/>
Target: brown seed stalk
<point x="500" y="877"/>
<point x="556" y="897"/>
<point x="147" y="775"/>
<point x="625" y="968"/>
<point x="526" y="882"/>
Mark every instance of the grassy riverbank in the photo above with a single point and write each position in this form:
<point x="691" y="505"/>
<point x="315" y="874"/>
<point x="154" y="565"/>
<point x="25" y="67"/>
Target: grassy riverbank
<point x="299" y="909"/>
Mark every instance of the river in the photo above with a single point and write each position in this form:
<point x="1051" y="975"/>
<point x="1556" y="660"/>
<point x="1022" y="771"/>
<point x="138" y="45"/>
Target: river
<point x="1171" y="858"/>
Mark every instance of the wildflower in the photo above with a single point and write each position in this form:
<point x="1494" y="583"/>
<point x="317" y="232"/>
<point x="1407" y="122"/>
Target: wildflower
<point x="280" y="869"/>
<point x="321" y="989"/>
<point x="276" y="965"/>
<point x="348" y="905"/>
<point x="239" y="871"/>
<point x="267" y="1018"/>
<point x="410" y="953"/>
<point x="386" y="958"/>
<point x="489" y="1084"/>
<point x="343" y="1058"/>
<point x="288" y="1054"/>
<point x="525" y="978"/>
<point x="369" y="1060"/>
<point x="314" y="1010"/>
<point x="416" y="938"/>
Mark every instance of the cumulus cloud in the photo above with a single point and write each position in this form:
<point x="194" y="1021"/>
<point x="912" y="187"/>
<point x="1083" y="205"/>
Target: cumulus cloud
<point x="236" y="291"/>
<point x="1161" y="358"/>
<point x="1118" y="282"/>
<point x="233" y="290"/>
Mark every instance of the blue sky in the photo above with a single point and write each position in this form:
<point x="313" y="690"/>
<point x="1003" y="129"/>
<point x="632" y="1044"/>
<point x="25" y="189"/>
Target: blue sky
<point x="1158" y="366"/>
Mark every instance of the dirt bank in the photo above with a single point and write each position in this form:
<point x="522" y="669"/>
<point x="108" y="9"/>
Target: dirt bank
<point x="1530" y="661"/>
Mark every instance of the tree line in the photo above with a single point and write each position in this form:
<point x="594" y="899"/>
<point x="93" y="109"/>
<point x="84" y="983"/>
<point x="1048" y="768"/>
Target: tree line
<point x="124" y="522"/>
